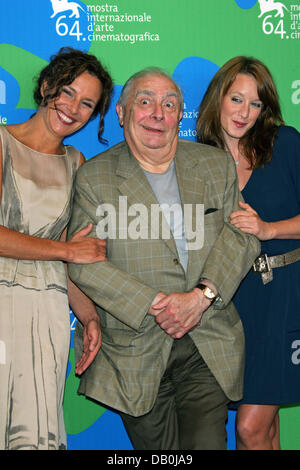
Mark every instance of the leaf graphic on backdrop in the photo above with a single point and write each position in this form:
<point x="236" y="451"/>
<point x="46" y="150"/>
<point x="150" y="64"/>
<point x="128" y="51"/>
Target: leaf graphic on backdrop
<point x="18" y="68"/>
<point x="80" y="413"/>
<point x="246" y="4"/>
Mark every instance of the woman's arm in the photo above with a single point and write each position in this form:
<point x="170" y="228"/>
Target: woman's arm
<point x="248" y="220"/>
<point x="79" y="249"/>
<point x="85" y="311"/>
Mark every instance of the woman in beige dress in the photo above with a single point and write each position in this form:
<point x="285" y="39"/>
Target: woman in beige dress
<point x="36" y="186"/>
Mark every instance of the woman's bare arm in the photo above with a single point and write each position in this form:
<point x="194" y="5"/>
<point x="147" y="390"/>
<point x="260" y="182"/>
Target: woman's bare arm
<point x="80" y="249"/>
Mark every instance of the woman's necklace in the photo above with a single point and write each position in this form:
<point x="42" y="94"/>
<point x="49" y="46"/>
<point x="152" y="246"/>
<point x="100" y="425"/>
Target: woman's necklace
<point x="237" y="153"/>
<point x="237" y="158"/>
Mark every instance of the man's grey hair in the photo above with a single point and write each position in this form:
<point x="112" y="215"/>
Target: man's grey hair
<point x="144" y="73"/>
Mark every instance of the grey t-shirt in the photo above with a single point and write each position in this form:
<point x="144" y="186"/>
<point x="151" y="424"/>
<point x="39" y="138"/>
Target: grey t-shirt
<point x="165" y="188"/>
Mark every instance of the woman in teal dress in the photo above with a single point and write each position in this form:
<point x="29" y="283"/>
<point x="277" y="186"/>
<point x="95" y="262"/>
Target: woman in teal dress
<point x="240" y="113"/>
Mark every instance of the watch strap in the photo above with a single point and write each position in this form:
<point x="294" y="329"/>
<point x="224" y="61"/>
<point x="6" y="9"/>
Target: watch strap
<point x="204" y="287"/>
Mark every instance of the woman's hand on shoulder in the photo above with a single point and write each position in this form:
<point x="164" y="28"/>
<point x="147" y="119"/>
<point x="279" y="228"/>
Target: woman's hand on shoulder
<point x="248" y="220"/>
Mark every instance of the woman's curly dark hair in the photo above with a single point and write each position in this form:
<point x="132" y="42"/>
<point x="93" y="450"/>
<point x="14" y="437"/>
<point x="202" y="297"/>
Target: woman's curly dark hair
<point x="63" y="69"/>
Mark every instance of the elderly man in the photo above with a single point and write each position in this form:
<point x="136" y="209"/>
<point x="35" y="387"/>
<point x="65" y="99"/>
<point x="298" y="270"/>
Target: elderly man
<point x="172" y="342"/>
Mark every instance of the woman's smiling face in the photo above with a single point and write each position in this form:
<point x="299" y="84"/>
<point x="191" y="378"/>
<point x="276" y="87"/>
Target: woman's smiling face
<point x="240" y="107"/>
<point x="73" y="108"/>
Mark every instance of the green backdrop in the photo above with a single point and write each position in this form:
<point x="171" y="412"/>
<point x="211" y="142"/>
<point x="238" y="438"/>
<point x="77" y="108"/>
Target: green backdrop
<point x="191" y="40"/>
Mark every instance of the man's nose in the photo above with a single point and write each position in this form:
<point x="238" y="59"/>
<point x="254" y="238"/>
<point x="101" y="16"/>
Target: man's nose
<point x="158" y="111"/>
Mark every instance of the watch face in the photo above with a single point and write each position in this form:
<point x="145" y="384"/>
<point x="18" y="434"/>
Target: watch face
<point x="209" y="293"/>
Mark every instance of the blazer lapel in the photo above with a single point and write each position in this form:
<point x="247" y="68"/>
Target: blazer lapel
<point x="140" y="197"/>
<point x="190" y="183"/>
<point x="192" y="189"/>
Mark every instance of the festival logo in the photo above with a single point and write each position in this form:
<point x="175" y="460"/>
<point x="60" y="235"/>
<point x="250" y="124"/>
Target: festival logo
<point x="71" y="19"/>
<point x="60" y="6"/>
<point x="280" y="20"/>
<point x="269" y="5"/>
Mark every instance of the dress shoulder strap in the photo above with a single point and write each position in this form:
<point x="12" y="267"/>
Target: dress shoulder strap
<point x="74" y="155"/>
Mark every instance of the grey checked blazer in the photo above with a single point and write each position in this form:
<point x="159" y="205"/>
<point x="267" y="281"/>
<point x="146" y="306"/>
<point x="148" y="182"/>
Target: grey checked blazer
<point x="127" y="371"/>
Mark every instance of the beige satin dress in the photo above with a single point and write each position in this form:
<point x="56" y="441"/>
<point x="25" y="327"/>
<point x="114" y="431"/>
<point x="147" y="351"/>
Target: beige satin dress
<point x="34" y="310"/>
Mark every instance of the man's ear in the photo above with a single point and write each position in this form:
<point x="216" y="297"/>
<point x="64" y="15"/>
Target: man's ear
<point x="120" y="113"/>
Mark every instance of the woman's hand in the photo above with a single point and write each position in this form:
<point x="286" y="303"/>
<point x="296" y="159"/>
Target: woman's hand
<point x="91" y="345"/>
<point x="249" y="221"/>
<point x="82" y="249"/>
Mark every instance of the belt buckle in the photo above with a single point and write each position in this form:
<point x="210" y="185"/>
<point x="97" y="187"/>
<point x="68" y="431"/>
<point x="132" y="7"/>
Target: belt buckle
<point x="261" y="264"/>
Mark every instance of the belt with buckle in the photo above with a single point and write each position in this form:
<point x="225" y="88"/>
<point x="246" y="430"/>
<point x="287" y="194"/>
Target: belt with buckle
<point x="264" y="264"/>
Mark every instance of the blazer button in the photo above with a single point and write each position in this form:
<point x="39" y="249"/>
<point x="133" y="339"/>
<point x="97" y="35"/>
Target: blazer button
<point x="176" y="261"/>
